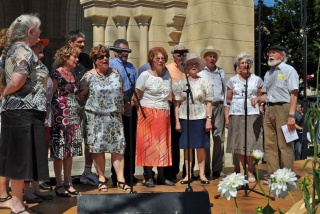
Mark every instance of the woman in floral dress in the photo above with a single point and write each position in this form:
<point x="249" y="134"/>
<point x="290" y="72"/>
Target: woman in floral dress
<point x="101" y="93"/>
<point x="66" y="138"/>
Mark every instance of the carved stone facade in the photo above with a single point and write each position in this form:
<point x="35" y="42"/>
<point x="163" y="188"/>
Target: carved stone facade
<point x="227" y="25"/>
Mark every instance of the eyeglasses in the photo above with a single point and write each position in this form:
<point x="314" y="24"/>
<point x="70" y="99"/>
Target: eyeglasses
<point x="107" y="55"/>
<point x="193" y="64"/>
<point x="160" y="58"/>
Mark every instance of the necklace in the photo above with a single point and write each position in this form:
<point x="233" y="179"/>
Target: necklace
<point x="67" y="75"/>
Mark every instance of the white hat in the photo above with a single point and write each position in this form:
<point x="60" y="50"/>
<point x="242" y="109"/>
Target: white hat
<point x="210" y="49"/>
<point x="194" y="57"/>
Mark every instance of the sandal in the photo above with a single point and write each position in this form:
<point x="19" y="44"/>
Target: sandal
<point x="64" y="194"/>
<point x="2" y="200"/>
<point x="124" y="187"/>
<point x="71" y="192"/>
<point x="101" y="184"/>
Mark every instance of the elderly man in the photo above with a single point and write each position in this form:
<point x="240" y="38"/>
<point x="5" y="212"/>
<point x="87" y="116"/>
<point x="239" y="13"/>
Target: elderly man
<point x="176" y="74"/>
<point x="125" y="68"/>
<point x="217" y="75"/>
<point x="281" y="85"/>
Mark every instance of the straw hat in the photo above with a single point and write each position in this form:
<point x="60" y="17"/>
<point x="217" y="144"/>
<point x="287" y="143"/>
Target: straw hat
<point x="210" y="49"/>
<point x="193" y="57"/>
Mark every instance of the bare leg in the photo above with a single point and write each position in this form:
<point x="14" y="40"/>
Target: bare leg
<point x="250" y="167"/>
<point x="186" y="162"/>
<point x="57" y="166"/>
<point x="201" y="154"/>
<point x="17" y="201"/>
<point x="118" y="164"/>
<point x="4" y="192"/>
<point x="241" y="162"/>
<point x="100" y="165"/>
<point x="67" y="166"/>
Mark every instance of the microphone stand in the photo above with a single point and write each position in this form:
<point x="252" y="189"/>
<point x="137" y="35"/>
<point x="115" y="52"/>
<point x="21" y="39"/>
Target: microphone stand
<point x="189" y="95"/>
<point x="245" y="187"/>
<point x="130" y="121"/>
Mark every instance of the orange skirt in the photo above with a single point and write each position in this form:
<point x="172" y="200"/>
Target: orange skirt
<point x="153" y="146"/>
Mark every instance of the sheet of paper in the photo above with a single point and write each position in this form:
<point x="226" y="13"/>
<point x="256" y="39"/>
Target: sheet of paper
<point x="289" y="136"/>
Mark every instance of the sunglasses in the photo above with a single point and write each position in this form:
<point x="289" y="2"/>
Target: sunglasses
<point x="107" y="55"/>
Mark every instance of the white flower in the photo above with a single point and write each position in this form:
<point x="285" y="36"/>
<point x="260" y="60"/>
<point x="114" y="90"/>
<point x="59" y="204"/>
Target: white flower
<point x="282" y="181"/>
<point x="257" y="154"/>
<point x="228" y="186"/>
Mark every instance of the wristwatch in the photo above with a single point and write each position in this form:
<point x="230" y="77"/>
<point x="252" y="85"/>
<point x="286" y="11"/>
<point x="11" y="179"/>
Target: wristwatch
<point x="209" y="117"/>
<point x="292" y="115"/>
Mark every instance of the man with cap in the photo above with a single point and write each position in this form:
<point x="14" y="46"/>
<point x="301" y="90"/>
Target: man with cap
<point x="176" y="73"/>
<point x="280" y="88"/>
<point x="217" y="75"/>
<point x="128" y="73"/>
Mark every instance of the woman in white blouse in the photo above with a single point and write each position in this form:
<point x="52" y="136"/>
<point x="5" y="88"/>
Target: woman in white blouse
<point x="153" y="147"/>
<point x="236" y="100"/>
<point x="199" y="117"/>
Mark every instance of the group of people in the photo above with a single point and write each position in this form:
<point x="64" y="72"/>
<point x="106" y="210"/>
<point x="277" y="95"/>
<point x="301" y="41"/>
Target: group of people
<point x="113" y="108"/>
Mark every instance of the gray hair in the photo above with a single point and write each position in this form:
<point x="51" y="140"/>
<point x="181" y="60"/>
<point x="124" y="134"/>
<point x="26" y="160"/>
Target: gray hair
<point x="243" y="55"/>
<point x="18" y="30"/>
<point x="285" y="57"/>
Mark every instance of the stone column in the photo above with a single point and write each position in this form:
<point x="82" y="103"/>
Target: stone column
<point x="143" y="23"/>
<point x="99" y="24"/>
<point x="121" y="23"/>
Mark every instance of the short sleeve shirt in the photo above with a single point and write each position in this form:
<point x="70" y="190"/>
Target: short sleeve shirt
<point x="32" y="95"/>
<point x="156" y="90"/>
<point x="279" y="82"/>
<point x="202" y="92"/>
<point x="238" y="94"/>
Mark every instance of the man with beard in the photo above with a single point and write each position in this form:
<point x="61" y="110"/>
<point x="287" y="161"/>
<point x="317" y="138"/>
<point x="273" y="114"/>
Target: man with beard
<point x="281" y="85"/>
<point x="127" y="70"/>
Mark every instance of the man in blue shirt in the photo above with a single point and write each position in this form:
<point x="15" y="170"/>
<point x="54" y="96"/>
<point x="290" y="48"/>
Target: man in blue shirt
<point x="128" y="73"/>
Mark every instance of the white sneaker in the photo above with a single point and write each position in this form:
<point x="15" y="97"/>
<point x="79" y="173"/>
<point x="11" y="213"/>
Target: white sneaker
<point x="91" y="179"/>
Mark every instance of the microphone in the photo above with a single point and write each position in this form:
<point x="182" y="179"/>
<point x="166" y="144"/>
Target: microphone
<point x="249" y="61"/>
<point x="118" y="50"/>
<point x="181" y="52"/>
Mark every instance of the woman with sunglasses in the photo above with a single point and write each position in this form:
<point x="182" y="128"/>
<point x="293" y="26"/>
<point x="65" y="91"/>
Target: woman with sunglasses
<point x="66" y="138"/>
<point x="101" y="94"/>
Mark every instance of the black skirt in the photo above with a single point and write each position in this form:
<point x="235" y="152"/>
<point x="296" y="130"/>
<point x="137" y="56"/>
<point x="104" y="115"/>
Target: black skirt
<point x="23" y="150"/>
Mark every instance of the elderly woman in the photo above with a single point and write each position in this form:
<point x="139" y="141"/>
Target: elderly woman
<point x="153" y="146"/>
<point x="32" y="193"/>
<point x="23" y="156"/>
<point x="66" y="138"/>
<point x="101" y="93"/>
<point x="236" y="100"/>
<point x="200" y="115"/>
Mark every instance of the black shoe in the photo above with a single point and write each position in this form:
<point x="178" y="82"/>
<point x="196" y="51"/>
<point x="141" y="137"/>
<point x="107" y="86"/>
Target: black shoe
<point x="172" y="178"/>
<point x="205" y="182"/>
<point x="164" y="181"/>
<point x="45" y="186"/>
<point x="149" y="183"/>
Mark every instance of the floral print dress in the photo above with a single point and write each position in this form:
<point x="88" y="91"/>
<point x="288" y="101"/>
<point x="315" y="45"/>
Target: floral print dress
<point x="66" y="138"/>
<point x="102" y="97"/>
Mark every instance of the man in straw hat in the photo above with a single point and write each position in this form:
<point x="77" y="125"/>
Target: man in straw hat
<point x="217" y="74"/>
<point x="280" y="88"/>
